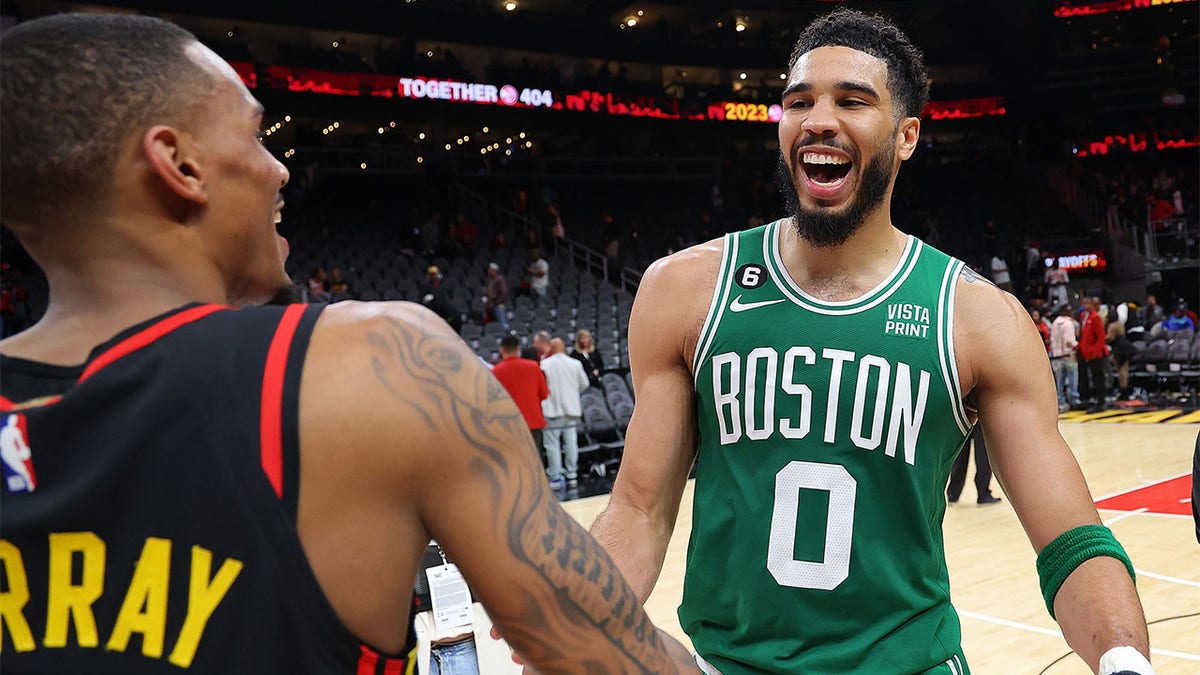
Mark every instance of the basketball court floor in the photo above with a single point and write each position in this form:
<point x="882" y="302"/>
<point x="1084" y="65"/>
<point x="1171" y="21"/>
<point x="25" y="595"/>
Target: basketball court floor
<point x="1139" y="471"/>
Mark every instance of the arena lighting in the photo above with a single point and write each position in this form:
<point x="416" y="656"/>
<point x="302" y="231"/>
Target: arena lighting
<point x="1070" y="8"/>
<point x="739" y="26"/>
<point x="741" y="76"/>
<point x="1167" y="139"/>
<point x="300" y="79"/>
<point x="631" y="21"/>
<point x="510" y="5"/>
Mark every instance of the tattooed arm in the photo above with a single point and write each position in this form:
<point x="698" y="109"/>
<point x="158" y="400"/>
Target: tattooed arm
<point x="424" y="442"/>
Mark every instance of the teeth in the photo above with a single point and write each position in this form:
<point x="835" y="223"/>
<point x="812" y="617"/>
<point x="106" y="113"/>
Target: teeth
<point x="818" y="158"/>
<point x="278" y="217"/>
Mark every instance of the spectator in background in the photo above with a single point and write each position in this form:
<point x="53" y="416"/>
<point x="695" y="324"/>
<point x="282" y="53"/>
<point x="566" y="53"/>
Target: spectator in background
<point x="539" y="275"/>
<point x="1042" y="326"/>
<point x="541" y="344"/>
<point x="586" y="353"/>
<point x="1000" y="273"/>
<point x="1133" y="317"/>
<point x="525" y="383"/>
<point x="1056" y="284"/>
<point x="463" y="236"/>
<point x="1121" y="348"/>
<point x="1179" y="319"/>
<point x="562" y="409"/>
<point x="1154" y="312"/>
<point x="433" y="296"/>
<point x="14" y="302"/>
<point x="318" y="286"/>
<point x="339" y="287"/>
<point x="1093" y="351"/>
<point x="495" y="296"/>
<point x="1063" y="343"/>
<point x="983" y="471"/>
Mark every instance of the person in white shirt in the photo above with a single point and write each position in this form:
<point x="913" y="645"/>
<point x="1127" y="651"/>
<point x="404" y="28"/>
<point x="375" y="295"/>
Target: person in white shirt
<point x="1000" y="273"/>
<point x="1056" y="284"/>
<point x="566" y="380"/>
<point x="1063" y="341"/>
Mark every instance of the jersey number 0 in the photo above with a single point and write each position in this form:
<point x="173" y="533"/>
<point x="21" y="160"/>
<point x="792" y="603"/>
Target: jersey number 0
<point x="781" y="558"/>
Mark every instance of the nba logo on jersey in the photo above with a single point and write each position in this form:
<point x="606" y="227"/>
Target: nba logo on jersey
<point x="14" y="450"/>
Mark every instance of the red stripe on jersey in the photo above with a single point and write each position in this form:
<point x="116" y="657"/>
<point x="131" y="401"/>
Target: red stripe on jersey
<point x="367" y="661"/>
<point x="393" y="667"/>
<point x="147" y="336"/>
<point x="271" y="424"/>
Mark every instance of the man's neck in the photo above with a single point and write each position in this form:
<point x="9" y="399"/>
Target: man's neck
<point x="846" y="271"/>
<point x="100" y="286"/>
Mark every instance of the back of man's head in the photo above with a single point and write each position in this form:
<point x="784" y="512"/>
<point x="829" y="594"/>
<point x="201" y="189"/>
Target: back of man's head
<point x="557" y="346"/>
<point x="509" y="344"/>
<point x="79" y="90"/>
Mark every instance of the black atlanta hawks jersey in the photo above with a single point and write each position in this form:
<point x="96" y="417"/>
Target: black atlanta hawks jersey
<point x="149" y="500"/>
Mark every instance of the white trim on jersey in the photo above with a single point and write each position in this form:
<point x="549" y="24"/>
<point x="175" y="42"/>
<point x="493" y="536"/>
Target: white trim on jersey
<point x="716" y="308"/>
<point x="945" y="343"/>
<point x="706" y="667"/>
<point x="789" y="287"/>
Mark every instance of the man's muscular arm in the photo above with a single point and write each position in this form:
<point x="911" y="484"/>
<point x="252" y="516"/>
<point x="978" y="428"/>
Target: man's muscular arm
<point x="1001" y="353"/>
<point x="660" y="442"/>
<point x="465" y="466"/>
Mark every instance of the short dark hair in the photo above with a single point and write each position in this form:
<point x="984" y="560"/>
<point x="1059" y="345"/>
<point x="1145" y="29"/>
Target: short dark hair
<point x="510" y="343"/>
<point x="76" y="88"/>
<point x="876" y="35"/>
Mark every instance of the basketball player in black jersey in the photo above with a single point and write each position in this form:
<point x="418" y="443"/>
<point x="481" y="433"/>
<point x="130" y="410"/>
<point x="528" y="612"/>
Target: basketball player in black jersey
<point x="193" y="481"/>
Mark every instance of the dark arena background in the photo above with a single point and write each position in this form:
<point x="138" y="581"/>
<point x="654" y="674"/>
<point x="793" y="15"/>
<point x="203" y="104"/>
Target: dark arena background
<point x="605" y="134"/>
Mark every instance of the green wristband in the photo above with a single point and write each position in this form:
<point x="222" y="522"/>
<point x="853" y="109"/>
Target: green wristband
<point x="1071" y="549"/>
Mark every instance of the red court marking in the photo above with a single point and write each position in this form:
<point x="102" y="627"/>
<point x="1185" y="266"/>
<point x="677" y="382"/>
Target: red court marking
<point x="1171" y="496"/>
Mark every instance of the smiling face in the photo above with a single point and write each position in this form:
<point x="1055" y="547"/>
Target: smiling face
<point x="840" y="142"/>
<point x="242" y="180"/>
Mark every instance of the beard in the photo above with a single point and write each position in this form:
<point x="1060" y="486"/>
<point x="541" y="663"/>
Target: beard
<point x="823" y="228"/>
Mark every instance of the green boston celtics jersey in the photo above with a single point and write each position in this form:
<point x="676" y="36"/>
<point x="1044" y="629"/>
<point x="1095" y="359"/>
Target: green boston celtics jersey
<point x="827" y="433"/>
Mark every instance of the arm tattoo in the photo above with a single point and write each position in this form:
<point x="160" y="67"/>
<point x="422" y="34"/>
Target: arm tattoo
<point x="432" y="372"/>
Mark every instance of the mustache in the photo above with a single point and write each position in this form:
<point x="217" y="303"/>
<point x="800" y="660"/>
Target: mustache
<point x="810" y="141"/>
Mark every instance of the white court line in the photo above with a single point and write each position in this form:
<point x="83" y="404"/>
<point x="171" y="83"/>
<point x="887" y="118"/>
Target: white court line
<point x="1163" y="577"/>
<point x="1147" y="513"/>
<point x="1140" y="487"/>
<point x="1125" y="515"/>
<point x="1054" y="633"/>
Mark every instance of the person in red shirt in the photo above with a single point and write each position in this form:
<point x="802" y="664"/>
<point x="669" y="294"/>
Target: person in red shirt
<point x="525" y="383"/>
<point x="1093" y="350"/>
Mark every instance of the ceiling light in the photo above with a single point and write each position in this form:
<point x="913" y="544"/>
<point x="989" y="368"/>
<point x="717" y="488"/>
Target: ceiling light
<point x="741" y="76"/>
<point x="631" y="21"/>
<point x="510" y="5"/>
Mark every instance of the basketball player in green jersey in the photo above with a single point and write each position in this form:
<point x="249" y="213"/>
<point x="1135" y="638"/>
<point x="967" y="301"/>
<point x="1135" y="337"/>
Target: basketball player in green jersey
<point x="826" y="369"/>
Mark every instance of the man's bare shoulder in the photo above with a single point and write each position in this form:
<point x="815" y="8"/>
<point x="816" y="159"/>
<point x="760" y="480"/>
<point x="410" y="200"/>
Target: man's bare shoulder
<point x="992" y="330"/>
<point x="688" y="266"/>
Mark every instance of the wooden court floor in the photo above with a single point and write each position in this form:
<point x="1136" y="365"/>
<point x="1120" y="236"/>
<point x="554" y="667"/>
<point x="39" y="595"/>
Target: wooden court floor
<point x="1006" y="629"/>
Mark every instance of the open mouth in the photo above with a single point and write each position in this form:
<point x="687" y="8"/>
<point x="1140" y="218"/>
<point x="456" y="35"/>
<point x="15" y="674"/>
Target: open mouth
<point x="279" y="212"/>
<point x="824" y="168"/>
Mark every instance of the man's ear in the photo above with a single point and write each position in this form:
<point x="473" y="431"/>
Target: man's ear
<point x="910" y="133"/>
<point x="172" y="162"/>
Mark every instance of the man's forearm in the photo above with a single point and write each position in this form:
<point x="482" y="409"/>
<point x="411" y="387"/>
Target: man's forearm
<point x="1098" y="609"/>
<point x="635" y="543"/>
